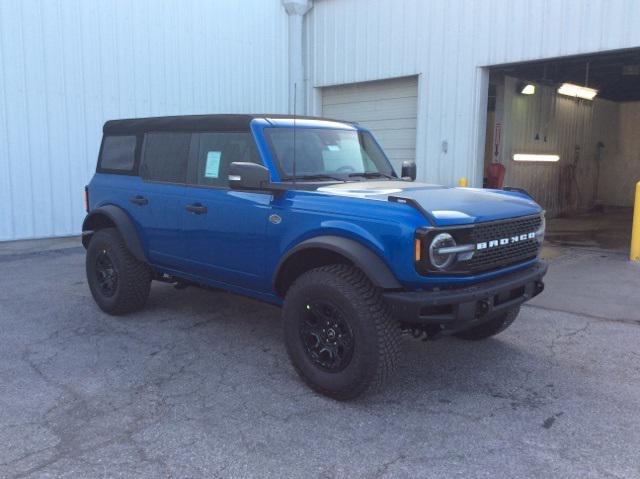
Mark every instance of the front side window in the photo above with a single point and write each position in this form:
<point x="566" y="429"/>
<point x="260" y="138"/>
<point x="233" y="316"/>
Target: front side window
<point x="327" y="152"/>
<point x="165" y="157"/>
<point x="216" y="152"/>
<point x="118" y="153"/>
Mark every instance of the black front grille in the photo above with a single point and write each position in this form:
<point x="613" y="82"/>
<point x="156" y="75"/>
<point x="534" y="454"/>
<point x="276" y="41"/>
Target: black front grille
<point x="508" y="254"/>
<point x="506" y="228"/>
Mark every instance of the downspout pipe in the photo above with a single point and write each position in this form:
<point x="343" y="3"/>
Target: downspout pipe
<point x="296" y="10"/>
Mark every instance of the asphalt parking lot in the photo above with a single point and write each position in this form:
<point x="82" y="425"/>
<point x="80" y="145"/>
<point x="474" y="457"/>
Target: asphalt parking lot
<point x="199" y="385"/>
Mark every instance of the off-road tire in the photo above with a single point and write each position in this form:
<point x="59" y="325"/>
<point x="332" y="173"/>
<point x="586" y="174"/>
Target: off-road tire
<point x="133" y="276"/>
<point x="376" y="347"/>
<point x="490" y="328"/>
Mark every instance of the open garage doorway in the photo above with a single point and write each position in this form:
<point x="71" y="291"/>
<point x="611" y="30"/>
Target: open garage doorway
<point x="567" y="131"/>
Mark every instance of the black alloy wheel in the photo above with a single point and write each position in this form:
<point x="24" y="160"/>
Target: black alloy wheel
<point x="327" y="338"/>
<point x="106" y="274"/>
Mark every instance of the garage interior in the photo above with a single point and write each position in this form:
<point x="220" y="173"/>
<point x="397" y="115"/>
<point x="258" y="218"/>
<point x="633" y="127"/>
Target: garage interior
<point x="578" y="157"/>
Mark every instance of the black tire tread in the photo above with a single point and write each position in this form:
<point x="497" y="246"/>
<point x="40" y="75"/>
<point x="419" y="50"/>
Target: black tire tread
<point x="135" y="275"/>
<point x="364" y="296"/>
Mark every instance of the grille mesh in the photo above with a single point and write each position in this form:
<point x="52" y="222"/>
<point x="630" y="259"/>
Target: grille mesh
<point x="512" y="253"/>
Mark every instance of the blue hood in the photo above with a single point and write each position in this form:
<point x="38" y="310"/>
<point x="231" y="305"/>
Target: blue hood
<point x="448" y="206"/>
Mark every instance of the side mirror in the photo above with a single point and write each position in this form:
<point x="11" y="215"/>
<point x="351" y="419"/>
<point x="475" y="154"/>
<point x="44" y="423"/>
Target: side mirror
<point x="248" y="176"/>
<point x="409" y="170"/>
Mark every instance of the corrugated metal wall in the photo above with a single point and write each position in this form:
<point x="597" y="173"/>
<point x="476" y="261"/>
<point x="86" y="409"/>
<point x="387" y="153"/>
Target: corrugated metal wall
<point x="446" y="42"/>
<point x="546" y="123"/>
<point x="66" y="66"/>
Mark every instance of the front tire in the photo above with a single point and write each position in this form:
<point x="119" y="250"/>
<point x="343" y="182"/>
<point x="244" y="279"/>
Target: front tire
<point x="339" y="334"/>
<point x="491" y="327"/>
<point x="119" y="282"/>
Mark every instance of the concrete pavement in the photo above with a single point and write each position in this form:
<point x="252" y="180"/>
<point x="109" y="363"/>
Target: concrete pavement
<point x="199" y="385"/>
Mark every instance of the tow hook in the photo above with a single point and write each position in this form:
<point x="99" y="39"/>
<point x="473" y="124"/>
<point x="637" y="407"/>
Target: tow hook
<point x="482" y="308"/>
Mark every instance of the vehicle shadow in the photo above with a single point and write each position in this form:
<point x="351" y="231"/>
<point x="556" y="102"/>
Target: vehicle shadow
<point x="431" y="373"/>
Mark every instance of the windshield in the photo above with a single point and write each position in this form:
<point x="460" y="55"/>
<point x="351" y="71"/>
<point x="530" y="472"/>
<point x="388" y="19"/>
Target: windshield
<point x="327" y="153"/>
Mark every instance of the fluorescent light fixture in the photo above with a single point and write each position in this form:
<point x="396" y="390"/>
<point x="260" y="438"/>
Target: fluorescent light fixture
<point x="577" y="91"/>
<point x="528" y="89"/>
<point x="525" y="88"/>
<point x="535" y="157"/>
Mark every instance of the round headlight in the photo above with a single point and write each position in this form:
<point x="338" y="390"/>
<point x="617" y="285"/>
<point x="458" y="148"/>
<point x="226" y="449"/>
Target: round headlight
<point x="442" y="260"/>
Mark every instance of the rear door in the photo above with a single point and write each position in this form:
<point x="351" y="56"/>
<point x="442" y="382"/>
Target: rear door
<point x="224" y="229"/>
<point x="157" y="203"/>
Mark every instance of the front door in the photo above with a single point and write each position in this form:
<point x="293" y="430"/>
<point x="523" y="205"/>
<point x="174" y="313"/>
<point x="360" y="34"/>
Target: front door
<point x="224" y="230"/>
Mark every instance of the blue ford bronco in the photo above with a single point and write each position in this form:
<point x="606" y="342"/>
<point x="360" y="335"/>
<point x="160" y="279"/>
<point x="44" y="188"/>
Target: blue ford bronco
<point x="310" y="215"/>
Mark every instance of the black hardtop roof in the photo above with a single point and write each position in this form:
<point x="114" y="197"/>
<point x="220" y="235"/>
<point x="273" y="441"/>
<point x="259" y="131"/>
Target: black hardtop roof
<point x="192" y="123"/>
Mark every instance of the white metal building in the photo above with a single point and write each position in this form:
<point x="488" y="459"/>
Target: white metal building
<point x="416" y="72"/>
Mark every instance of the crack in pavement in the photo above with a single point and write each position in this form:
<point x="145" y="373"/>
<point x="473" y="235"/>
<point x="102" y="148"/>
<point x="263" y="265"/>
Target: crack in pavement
<point x="633" y="322"/>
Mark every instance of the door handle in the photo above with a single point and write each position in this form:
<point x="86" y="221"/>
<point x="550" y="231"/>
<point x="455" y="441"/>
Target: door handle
<point x="196" y="208"/>
<point x="139" y="200"/>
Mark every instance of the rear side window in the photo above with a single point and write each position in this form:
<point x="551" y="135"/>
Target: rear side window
<point x="118" y="153"/>
<point x="165" y="157"/>
<point x="216" y="152"/>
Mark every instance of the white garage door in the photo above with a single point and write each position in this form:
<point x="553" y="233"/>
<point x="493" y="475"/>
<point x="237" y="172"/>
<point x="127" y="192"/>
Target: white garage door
<point x="387" y="107"/>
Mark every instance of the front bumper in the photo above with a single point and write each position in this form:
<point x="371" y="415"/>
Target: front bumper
<point x="461" y="308"/>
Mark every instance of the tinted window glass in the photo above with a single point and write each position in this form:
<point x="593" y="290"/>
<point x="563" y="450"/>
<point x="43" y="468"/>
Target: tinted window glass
<point x="218" y="150"/>
<point x="118" y="153"/>
<point x="165" y="157"/>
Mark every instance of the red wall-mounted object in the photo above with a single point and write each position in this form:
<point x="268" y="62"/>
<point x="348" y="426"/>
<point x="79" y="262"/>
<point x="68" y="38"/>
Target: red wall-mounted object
<point x="495" y="176"/>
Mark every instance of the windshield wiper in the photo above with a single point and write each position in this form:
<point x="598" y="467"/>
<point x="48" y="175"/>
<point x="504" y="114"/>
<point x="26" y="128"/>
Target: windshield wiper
<point x="372" y="174"/>
<point x="313" y="177"/>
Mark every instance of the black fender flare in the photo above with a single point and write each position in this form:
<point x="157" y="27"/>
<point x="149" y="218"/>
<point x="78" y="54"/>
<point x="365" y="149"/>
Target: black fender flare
<point x="122" y="222"/>
<point x="361" y="256"/>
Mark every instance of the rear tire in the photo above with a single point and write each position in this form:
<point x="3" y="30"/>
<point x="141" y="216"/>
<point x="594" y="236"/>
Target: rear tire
<point x="339" y="334"/>
<point x="491" y="327"/>
<point x="119" y="282"/>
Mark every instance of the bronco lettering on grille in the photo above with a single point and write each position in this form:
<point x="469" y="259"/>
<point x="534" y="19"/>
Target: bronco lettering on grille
<point x="505" y="241"/>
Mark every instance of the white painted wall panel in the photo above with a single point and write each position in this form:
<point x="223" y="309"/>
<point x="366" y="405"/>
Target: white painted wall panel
<point x="66" y="66"/>
<point x="388" y="108"/>
<point x="447" y="42"/>
<point x="621" y="164"/>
